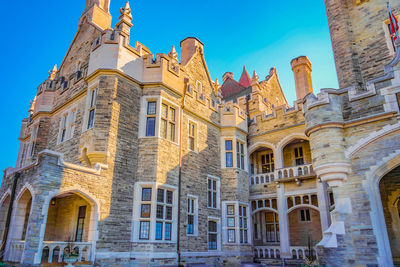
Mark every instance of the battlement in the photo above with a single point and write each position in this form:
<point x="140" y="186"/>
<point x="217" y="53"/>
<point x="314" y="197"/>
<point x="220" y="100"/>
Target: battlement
<point x="233" y="116"/>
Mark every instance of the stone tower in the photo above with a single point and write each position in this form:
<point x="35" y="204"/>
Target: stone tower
<point x="301" y="67"/>
<point x="360" y="54"/>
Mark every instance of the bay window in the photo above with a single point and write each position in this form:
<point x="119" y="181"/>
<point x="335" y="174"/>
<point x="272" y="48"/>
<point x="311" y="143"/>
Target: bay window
<point x="151" y="118"/>
<point x="228" y="153"/>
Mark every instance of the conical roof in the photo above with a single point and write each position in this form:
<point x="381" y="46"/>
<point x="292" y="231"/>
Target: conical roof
<point x="245" y="79"/>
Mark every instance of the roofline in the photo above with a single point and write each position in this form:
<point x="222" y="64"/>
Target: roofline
<point x="191" y="37"/>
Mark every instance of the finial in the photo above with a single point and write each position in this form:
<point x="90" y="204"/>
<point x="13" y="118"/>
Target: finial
<point x="52" y="73"/>
<point x="255" y="76"/>
<point x="216" y="82"/>
<point x="173" y="53"/>
<point x="126" y="10"/>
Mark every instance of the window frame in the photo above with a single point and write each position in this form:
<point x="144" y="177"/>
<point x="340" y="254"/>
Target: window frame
<point x="215" y="201"/>
<point x="228" y="152"/>
<point x="192" y="211"/>
<point x="192" y="135"/>
<point x="217" y="233"/>
<point x="307" y="215"/>
<point x="296" y="152"/>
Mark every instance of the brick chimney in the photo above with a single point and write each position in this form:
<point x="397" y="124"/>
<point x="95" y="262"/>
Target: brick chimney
<point x="189" y="47"/>
<point x="301" y="67"/>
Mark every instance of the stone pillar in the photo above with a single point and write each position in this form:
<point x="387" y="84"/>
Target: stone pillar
<point x="323" y="204"/>
<point x="283" y="222"/>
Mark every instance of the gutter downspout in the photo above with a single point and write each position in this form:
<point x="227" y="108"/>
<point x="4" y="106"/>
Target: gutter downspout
<point x="9" y="212"/>
<point x="178" y="247"/>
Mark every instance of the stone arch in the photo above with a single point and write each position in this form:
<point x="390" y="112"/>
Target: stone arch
<point x="283" y="142"/>
<point x="371" y="185"/>
<point x="4" y="207"/>
<point x="94" y="217"/>
<point x="363" y="142"/>
<point x="264" y="209"/>
<point x="258" y="145"/>
<point x="302" y="206"/>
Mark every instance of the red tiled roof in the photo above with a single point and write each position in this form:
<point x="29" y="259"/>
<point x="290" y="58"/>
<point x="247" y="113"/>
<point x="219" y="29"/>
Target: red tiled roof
<point x="230" y="87"/>
<point x="245" y="78"/>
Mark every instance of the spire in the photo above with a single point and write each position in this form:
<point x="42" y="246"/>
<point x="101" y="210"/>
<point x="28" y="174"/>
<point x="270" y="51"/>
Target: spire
<point x="173" y="53"/>
<point x="124" y="23"/>
<point x="255" y="77"/>
<point x="52" y="73"/>
<point x="245" y="78"/>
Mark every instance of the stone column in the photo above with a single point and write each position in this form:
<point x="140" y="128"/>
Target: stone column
<point x="283" y="222"/>
<point x="323" y="204"/>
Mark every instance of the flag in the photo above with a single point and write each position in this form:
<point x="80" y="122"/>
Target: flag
<point x="394" y="25"/>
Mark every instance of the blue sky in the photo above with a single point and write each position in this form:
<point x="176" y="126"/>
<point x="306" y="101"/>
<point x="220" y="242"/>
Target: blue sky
<point x="257" y="33"/>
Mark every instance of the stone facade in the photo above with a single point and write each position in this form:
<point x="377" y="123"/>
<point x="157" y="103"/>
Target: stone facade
<point x="144" y="160"/>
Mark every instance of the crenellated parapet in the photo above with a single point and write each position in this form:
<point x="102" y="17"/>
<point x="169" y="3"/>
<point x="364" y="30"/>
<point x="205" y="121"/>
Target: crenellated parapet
<point x="233" y="116"/>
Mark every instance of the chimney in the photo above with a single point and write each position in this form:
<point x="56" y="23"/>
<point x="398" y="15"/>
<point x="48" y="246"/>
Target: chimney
<point x="301" y="67"/>
<point x="189" y="47"/>
<point x="226" y="76"/>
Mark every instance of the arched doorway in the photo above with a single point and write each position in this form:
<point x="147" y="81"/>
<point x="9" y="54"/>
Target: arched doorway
<point x="70" y="222"/>
<point x="304" y="230"/>
<point x="389" y="187"/>
<point x="5" y="204"/>
<point x="19" y="226"/>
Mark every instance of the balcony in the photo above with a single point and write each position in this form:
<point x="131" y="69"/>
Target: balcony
<point x="53" y="251"/>
<point x="287" y="174"/>
<point x="273" y="252"/>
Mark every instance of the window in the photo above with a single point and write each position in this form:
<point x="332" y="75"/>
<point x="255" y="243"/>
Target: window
<point x="272" y="227"/>
<point x="243" y="224"/>
<point x="228" y="153"/>
<point x="191" y="215"/>
<point x="168" y="122"/>
<point x="255" y="231"/>
<point x="212" y="193"/>
<point x="199" y="87"/>
<point x="33" y="140"/>
<point x="71" y="123"/>
<point x="192" y="136"/>
<point x="80" y="224"/>
<point x="92" y="108"/>
<point x="63" y="130"/>
<point x="212" y="235"/>
<point x="398" y="99"/>
<point x="164" y="214"/>
<point x="230" y="212"/>
<point x="240" y="155"/>
<point x="298" y="155"/>
<point x="151" y="118"/>
<point x="144" y="232"/>
<point x="305" y="215"/>
<point x="267" y="163"/>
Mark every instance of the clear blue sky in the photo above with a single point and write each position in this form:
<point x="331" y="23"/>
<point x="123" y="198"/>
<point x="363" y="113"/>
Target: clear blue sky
<point x="259" y="34"/>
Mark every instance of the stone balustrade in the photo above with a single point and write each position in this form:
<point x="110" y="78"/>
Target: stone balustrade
<point x="267" y="252"/>
<point x="273" y="252"/>
<point x="53" y="251"/>
<point x="288" y="172"/>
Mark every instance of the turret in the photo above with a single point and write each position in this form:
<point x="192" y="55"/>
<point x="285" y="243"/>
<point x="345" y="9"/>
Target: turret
<point x="301" y="67"/>
<point x="97" y="12"/>
<point x="124" y="23"/>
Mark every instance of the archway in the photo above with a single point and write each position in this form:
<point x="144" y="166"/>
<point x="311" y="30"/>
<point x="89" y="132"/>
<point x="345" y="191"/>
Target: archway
<point x="389" y="187"/>
<point x="5" y="204"/>
<point x="304" y="230"/>
<point x="70" y="220"/>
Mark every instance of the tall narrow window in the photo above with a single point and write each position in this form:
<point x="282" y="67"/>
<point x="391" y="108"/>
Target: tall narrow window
<point x="240" y="155"/>
<point x="212" y="235"/>
<point x="192" y="136"/>
<point x="33" y="140"/>
<point x="71" y="123"/>
<point x="212" y="193"/>
<point x="267" y="163"/>
<point x="168" y="121"/>
<point x="190" y="216"/>
<point x="230" y="210"/>
<point x="243" y="224"/>
<point x="92" y="107"/>
<point x="272" y="227"/>
<point x="398" y="99"/>
<point x="151" y="118"/>
<point x="26" y="218"/>
<point x="145" y="213"/>
<point x="164" y="214"/>
<point x="298" y="155"/>
<point x="228" y="153"/>
<point x="80" y="224"/>
<point x="63" y="130"/>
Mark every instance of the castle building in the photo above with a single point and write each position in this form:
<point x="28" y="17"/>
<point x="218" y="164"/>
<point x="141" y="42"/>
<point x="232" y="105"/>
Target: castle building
<point x="141" y="159"/>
